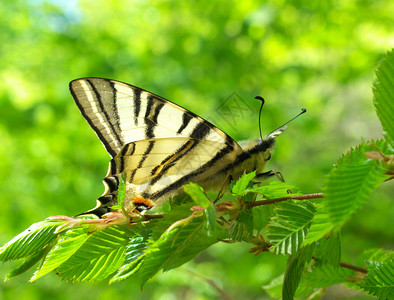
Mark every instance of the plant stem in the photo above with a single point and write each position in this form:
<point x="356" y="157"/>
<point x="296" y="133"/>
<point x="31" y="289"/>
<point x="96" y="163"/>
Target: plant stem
<point x="354" y="268"/>
<point x="249" y="205"/>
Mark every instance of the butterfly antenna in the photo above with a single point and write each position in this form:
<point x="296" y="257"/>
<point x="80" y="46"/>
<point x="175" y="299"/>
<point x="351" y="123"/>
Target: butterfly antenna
<point x="261" y="108"/>
<point x="303" y="110"/>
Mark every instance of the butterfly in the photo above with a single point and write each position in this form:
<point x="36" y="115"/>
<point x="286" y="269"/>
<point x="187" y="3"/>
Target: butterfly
<point x="159" y="146"/>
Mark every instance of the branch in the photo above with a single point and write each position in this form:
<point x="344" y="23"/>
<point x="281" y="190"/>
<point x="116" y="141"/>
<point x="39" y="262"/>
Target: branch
<point x="354" y="268"/>
<point x="249" y="205"/>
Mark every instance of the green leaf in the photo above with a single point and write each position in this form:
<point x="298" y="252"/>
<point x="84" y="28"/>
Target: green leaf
<point x="29" y="262"/>
<point x="276" y="189"/>
<point x="100" y="256"/>
<point x="121" y="194"/>
<point x="262" y="215"/>
<point x="30" y="241"/>
<point x="374" y="255"/>
<point x="320" y="226"/>
<point x="380" y="279"/>
<point x="160" y="253"/>
<point x="347" y="187"/>
<point x="239" y="232"/>
<point x="198" y="195"/>
<point x="327" y="275"/>
<point x="295" y="268"/>
<point x="383" y="92"/>
<point x="242" y="228"/>
<point x="328" y="250"/>
<point x="201" y="241"/>
<point x="274" y="289"/>
<point x="67" y="245"/>
<point x="136" y="247"/>
<point x="287" y="230"/>
<point x="242" y="183"/>
<point x="178" y="212"/>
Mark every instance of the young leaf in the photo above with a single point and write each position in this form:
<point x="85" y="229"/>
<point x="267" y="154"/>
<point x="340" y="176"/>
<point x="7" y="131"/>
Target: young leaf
<point x="242" y="183"/>
<point x="239" y="232"/>
<point x="347" y="187"/>
<point x="242" y="228"/>
<point x="121" y="194"/>
<point x="136" y="248"/>
<point x="320" y="226"/>
<point x="261" y="216"/>
<point x="380" y="279"/>
<point x="383" y="91"/>
<point x="295" y="269"/>
<point x="101" y="255"/>
<point x="374" y="255"/>
<point x="327" y="275"/>
<point x="30" y="241"/>
<point x="276" y="189"/>
<point x="28" y="263"/>
<point x="159" y="253"/>
<point x="200" y="198"/>
<point x="66" y="246"/>
<point x="328" y="250"/>
<point x="201" y="241"/>
<point x="287" y="230"/>
<point x="196" y="192"/>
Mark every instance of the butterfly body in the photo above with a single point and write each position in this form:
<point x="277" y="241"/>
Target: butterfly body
<point x="158" y="145"/>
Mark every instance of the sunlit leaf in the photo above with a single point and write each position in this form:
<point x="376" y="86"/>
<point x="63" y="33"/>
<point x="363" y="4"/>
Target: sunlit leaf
<point x="328" y="249"/>
<point x="276" y="189"/>
<point x="161" y="253"/>
<point x="200" y="198"/>
<point x="287" y="230"/>
<point x="101" y="255"/>
<point x="347" y="187"/>
<point x="29" y="262"/>
<point x="383" y="91"/>
<point x="66" y="246"/>
<point x="242" y="183"/>
<point x="29" y="241"/>
<point x="262" y="215"/>
<point x="327" y="275"/>
<point x="380" y="279"/>
<point x="374" y="254"/>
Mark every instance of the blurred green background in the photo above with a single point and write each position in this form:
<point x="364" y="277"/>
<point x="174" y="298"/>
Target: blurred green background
<point x="320" y="55"/>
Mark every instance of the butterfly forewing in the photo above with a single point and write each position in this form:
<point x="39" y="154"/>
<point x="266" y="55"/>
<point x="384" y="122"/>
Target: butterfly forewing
<point x="120" y="113"/>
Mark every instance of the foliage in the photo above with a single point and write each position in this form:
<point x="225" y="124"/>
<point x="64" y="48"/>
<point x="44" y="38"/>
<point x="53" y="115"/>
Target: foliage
<point x="295" y="53"/>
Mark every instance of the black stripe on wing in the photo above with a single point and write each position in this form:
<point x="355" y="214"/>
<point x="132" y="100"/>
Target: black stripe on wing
<point x="105" y="113"/>
<point x="186" y="118"/>
<point x="137" y="104"/>
<point x="199" y="133"/>
<point x="189" y="177"/>
<point x="143" y="158"/>
<point x="102" y="135"/>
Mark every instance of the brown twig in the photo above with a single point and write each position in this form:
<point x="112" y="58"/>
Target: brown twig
<point x="276" y="200"/>
<point x="150" y="217"/>
<point x="354" y="268"/>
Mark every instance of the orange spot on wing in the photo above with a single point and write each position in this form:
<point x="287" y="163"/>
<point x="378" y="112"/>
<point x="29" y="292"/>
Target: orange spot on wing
<point x="142" y="200"/>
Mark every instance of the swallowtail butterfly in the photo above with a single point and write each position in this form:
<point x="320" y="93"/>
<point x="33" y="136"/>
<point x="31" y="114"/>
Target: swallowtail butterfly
<point x="158" y="145"/>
